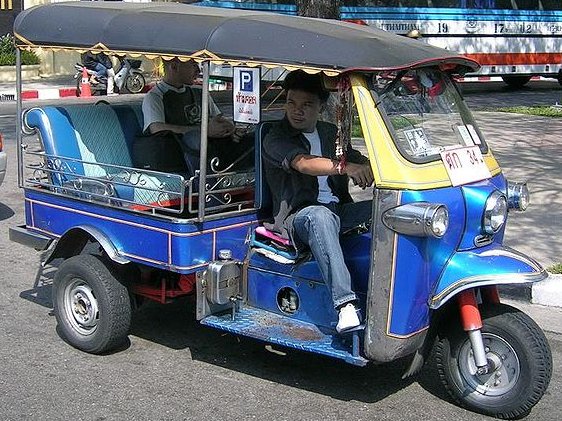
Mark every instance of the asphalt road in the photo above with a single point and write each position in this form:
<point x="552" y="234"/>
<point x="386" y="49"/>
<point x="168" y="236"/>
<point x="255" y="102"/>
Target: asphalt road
<point x="174" y="369"/>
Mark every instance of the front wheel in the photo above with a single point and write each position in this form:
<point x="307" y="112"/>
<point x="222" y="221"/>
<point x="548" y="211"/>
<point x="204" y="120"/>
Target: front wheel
<point x="135" y="83"/>
<point x="92" y="307"/>
<point x="518" y="355"/>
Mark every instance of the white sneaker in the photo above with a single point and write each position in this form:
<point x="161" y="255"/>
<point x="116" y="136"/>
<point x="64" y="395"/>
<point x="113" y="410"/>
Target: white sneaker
<point x="348" y="318"/>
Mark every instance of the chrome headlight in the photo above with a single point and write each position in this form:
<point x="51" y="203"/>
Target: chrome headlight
<point x="418" y="219"/>
<point x="495" y="213"/>
<point x="518" y="197"/>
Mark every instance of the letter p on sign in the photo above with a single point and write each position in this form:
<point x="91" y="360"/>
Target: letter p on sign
<point x="246" y="82"/>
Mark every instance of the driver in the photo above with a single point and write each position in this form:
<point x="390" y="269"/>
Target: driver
<point x="309" y="186"/>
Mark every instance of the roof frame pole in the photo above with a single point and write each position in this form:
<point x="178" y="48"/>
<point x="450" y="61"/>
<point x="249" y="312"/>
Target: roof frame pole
<point x="204" y="131"/>
<point x="18" y="118"/>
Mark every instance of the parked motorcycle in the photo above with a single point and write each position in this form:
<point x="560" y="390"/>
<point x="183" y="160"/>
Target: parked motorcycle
<point x="128" y="78"/>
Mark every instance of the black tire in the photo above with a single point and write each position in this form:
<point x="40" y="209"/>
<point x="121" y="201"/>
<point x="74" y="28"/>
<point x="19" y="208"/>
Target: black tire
<point x="92" y="308"/>
<point x="559" y="77"/>
<point x="135" y="82"/>
<point x="516" y="82"/>
<point x="520" y="351"/>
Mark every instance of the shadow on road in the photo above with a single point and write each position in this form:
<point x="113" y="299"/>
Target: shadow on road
<point x="6" y="212"/>
<point x="41" y="292"/>
<point x="175" y="327"/>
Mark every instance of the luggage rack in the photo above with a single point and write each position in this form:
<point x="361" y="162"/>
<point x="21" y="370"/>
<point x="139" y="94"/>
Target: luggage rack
<point x="138" y="189"/>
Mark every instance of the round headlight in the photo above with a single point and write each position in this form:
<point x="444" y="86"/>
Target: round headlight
<point x="440" y="221"/>
<point x="495" y="213"/>
<point x="518" y="197"/>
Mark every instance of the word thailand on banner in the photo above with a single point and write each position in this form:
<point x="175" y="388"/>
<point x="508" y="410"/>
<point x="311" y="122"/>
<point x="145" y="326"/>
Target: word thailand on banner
<point x="246" y="95"/>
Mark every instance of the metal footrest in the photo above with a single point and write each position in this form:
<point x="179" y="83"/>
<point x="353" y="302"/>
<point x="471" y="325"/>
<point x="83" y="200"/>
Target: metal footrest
<point x="284" y="331"/>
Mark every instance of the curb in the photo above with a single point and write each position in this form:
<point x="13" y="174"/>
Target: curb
<point x="44" y="93"/>
<point x="547" y="292"/>
<point x="50" y="93"/>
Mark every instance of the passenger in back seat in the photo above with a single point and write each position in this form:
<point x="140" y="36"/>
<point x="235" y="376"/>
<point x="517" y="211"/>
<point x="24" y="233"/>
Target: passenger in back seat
<point x="174" y="105"/>
<point x="309" y="186"/>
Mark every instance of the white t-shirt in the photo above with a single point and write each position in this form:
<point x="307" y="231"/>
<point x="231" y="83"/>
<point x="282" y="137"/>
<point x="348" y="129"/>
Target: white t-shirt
<point x="325" y="194"/>
<point x="153" y="103"/>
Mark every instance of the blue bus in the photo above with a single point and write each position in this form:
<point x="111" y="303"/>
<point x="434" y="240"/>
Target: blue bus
<point x="512" y="39"/>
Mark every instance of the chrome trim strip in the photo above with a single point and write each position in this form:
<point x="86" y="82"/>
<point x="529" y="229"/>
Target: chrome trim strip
<point x="19" y="137"/>
<point x="204" y="142"/>
<point x="409" y="335"/>
<point x="392" y="278"/>
<point x="485" y="280"/>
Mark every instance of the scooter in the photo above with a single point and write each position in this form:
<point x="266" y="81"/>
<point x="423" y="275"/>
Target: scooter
<point x="128" y="78"/>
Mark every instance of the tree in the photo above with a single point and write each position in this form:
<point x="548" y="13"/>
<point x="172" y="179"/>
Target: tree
<point x="326" y="9"/>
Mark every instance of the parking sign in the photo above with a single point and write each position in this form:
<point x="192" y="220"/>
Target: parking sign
<point x="246" y="95"/>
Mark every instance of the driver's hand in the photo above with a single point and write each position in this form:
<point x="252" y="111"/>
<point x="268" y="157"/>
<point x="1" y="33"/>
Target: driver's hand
<point x="219" y="126"/>
<point x="361" y="174"/>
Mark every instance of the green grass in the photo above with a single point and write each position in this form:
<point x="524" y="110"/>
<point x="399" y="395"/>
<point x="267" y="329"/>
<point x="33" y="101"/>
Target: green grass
<point x="542" y="110"/>
<point x="557" y="268"/>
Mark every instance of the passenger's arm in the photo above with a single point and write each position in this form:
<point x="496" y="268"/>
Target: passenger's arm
<point x="220" y="126"/>
<point x="160" y="127"/>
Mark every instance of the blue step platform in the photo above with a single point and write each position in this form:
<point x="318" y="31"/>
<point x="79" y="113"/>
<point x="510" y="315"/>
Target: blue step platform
<point x="291" y="333"/>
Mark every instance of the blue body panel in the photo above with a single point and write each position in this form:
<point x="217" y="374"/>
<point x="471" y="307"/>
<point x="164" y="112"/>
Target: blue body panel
<point x="460" y="13"/>
<point x="475" y="196"/>
<point x="419" y="262"/>
<point x="493" y="264"/>
<point x="180" y="246"/>
<point x="266" y="277"/>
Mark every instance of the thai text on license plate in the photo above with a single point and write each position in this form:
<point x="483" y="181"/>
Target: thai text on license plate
<point x="465" y="165"/>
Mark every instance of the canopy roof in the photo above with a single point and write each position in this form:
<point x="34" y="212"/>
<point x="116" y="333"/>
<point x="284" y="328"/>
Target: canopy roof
<point x="222" y="35"/>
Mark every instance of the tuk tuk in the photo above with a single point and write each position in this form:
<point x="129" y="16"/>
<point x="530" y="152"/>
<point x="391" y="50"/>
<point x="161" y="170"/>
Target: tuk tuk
<point x="426" y="268"/>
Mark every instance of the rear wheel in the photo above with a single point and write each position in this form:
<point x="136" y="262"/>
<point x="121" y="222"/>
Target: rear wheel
<point x="92" y="307"/>
<point x="135" y="83"/>
<point x="518" y="355"/>
<point x="516" y="81"/>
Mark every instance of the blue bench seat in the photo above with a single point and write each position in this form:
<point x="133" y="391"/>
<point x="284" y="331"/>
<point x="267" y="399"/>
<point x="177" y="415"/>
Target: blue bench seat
<point x="95" y="142"/>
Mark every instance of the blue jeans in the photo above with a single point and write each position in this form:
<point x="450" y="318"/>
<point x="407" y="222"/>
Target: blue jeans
<point x="319" y="227"/>
<point x="100" y="70"/>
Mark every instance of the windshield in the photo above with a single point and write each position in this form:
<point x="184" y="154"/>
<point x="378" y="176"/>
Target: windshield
<point x="426" y="113"/>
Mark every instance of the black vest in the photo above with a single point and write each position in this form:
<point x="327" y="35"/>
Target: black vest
<point x="183" y="109"/>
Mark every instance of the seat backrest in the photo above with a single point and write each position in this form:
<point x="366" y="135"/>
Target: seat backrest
<point x="100" y="136"/>
<point x="94" y="135"/>
<point x="89" y="135"/>
<point x="98" y="133"/>
<point x="263" y="194"/>
<point x="131" y="120"/>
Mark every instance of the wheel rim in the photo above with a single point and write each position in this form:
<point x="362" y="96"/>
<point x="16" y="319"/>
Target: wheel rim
<point x="505" y="368"/>
<point x="134" y="83"/>
<point x="81" y="307"/>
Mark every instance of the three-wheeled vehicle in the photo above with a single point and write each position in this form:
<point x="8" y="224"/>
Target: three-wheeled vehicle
<point x="426" y="269"/>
